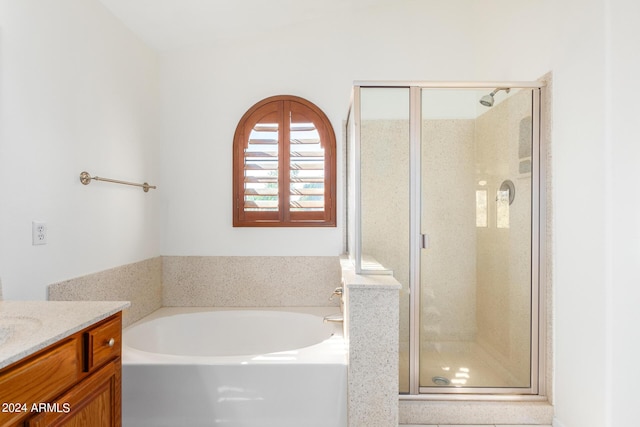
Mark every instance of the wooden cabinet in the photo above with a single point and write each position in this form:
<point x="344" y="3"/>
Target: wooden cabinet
<point x="72" y="383"/>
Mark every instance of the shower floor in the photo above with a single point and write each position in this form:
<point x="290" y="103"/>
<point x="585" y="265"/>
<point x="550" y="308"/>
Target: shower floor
<point x="461" y="364"/>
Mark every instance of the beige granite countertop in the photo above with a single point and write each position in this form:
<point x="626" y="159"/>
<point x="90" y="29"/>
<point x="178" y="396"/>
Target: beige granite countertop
<point x="29" y="326"/>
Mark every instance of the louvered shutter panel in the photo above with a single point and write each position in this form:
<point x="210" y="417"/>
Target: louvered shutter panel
<point x="285" y="168"/>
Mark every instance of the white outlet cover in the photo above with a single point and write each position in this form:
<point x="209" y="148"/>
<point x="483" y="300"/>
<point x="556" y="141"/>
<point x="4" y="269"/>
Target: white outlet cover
<point x="39" y="233"/>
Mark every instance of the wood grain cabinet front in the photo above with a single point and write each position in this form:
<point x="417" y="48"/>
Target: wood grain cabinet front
<point x="75" y="382"/>
<point x="92" y="403"/>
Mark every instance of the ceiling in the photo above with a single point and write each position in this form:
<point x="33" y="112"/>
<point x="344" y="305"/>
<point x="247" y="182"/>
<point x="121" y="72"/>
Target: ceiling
<point x="173" y="24"/>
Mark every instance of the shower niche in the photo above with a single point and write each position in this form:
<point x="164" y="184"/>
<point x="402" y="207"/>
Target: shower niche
<point x="444" y="193"/>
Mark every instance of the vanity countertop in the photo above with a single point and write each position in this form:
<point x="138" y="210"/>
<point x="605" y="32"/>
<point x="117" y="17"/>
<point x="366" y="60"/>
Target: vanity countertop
<point x="29" y="326"/>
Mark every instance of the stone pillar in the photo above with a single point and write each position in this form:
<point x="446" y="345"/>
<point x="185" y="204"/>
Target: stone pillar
<point x="371" y="330"/>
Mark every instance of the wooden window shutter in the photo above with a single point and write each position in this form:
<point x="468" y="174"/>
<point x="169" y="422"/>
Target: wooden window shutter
<point x="284" y="166"/>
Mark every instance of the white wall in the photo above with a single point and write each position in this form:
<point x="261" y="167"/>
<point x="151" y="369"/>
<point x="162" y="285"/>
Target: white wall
<point x="77" y="92"/>
<point x="207" y="89"/>
<point x="580" y="197"/>
<point x="622" y="89"/>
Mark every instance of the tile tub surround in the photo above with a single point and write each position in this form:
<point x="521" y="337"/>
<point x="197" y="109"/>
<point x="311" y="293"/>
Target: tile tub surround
<point x="251" y="281"/>
<point x="208" y="281"/>
<point x="33" y="325"/>
<point x="140" y="283"/>
<point x="371" y="327"/>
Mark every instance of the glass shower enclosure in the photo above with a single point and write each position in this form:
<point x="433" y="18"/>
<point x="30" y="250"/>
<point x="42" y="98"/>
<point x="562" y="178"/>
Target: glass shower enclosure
<point x="444" y="193"/>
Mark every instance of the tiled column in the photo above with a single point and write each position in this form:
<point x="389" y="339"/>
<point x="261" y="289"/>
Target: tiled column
<point x="371" y="328"/>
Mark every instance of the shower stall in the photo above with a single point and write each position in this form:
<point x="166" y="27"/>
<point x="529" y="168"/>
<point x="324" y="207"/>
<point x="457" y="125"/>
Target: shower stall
<point x="444" y="192"/>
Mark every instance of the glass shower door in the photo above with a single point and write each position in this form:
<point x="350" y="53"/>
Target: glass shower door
<point x="476" y="286"/>
<point x="385" y="176"/>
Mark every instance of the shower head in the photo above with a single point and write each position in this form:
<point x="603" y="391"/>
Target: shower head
<point x="488" y="100"/>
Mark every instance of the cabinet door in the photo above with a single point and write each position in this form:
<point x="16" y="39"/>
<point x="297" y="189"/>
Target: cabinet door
<point x="94" y="402"/>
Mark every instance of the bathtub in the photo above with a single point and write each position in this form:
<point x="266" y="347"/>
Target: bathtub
<point x="230" y="367"/>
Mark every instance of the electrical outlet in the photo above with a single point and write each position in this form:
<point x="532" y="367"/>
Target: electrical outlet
<point x="39" y="232"/>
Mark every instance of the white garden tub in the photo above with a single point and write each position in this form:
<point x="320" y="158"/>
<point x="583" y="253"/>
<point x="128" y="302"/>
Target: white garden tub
<point x="234" y="368"/>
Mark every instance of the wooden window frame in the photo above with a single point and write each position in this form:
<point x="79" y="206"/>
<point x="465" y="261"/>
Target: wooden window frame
<point x="281" y="106"/>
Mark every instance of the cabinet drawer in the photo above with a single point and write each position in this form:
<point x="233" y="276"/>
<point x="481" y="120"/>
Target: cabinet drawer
<point x="40" y="378"/>
<point x="104" y="342"/>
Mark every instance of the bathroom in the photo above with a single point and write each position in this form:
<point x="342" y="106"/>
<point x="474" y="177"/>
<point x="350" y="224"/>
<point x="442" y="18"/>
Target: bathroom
<point x="158" y="100"/>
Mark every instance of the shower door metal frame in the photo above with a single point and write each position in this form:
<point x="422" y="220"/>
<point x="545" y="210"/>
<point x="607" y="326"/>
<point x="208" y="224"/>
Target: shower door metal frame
<point x="537" y="389"/>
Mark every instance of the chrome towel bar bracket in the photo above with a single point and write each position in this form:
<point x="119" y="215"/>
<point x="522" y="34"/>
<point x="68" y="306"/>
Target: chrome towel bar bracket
<point x="86" y="178"/>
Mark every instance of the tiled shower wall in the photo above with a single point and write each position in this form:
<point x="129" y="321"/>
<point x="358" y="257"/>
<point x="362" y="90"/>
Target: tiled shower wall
<point x="208" y="281"/>
<point x="384" y="168"/>
<point x="503" y="151"/>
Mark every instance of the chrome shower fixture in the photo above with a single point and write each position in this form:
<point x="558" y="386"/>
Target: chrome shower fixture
<point x="488" y="100"/>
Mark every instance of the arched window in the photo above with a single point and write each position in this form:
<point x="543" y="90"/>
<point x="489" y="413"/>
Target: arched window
<point x="284" y="165"/>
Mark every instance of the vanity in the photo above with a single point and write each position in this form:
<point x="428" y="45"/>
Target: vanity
<point x="60" y="363"/>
